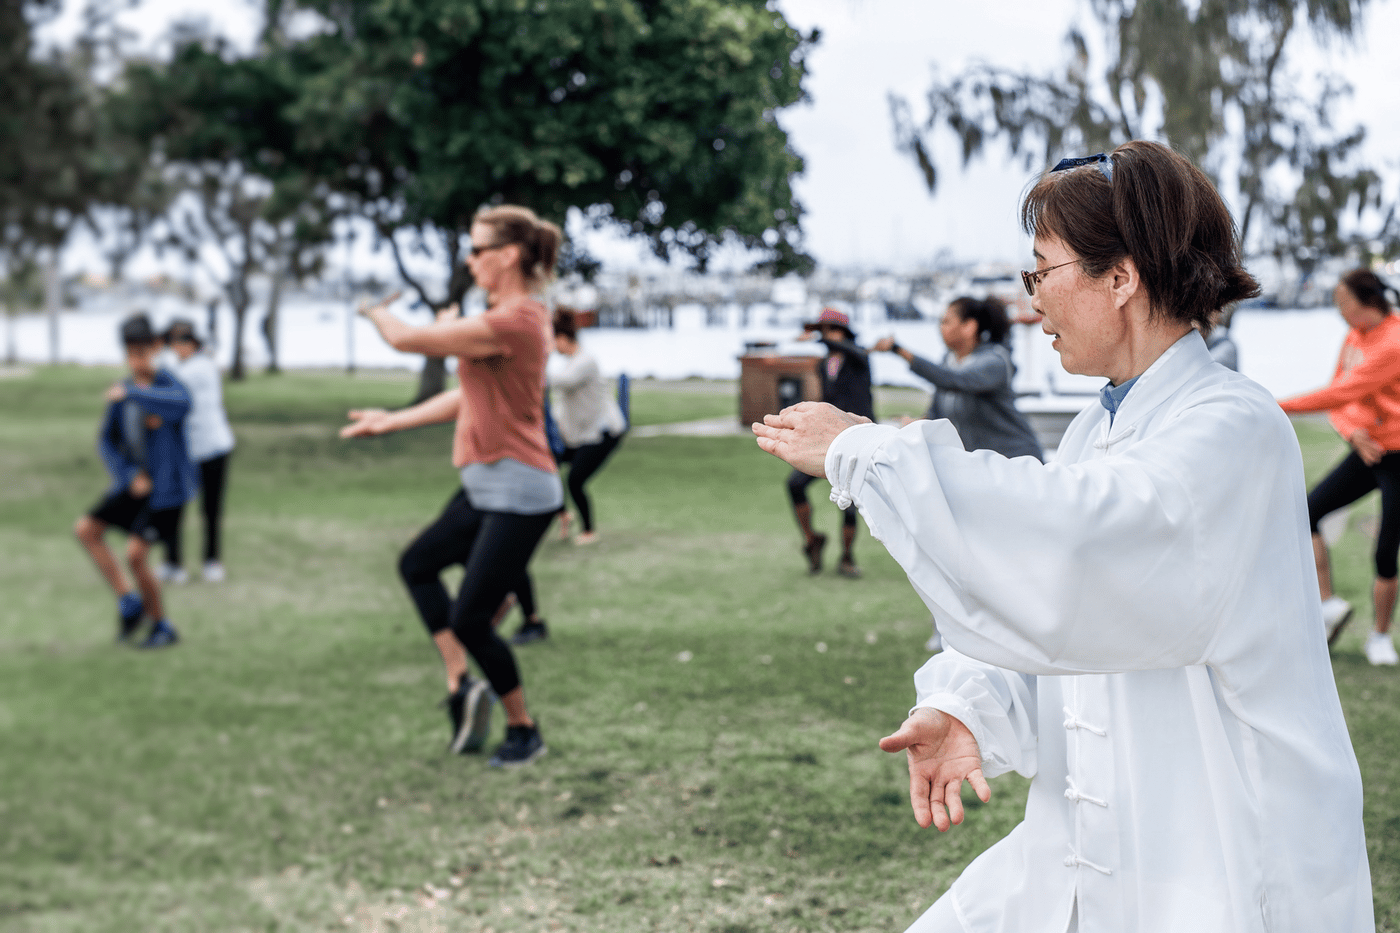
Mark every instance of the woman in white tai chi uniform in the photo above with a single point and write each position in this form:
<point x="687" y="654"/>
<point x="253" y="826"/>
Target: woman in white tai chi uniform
<point x="1136" y="625"/>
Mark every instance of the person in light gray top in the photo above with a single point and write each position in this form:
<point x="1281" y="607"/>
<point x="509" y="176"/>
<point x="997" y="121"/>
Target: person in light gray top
<point x="1220" y="344"/>
<point x="590" y="421"/>
<point x="972" y="386"/>
<point x="210" y="441"/>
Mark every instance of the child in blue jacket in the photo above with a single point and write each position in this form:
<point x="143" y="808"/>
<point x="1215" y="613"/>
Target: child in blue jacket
<point x="142" y="444"/>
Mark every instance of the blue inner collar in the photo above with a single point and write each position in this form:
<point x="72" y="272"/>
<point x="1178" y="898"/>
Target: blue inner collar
<point x="1111" y="396"/>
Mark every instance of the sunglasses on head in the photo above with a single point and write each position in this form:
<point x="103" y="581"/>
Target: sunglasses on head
<point x="1100" y="161"/>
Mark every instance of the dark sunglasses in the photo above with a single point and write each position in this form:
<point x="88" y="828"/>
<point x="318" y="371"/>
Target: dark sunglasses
<point x="478" y="250"/>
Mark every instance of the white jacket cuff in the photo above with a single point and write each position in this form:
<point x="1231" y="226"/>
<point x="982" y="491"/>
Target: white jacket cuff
<point x="961" y="710"/>
<point x="848" y="458"/>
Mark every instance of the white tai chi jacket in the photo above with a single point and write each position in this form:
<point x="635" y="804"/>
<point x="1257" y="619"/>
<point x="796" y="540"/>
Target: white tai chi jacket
<point x="1136" y="626"/>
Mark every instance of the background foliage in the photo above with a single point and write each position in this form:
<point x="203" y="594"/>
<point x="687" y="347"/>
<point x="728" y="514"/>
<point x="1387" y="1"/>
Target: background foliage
<point x="1212" y="78"/>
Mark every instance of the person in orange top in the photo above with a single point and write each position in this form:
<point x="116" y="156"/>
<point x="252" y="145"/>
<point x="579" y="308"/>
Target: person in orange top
<point x="1363" y="404"/>
<point x="510" y="488"/>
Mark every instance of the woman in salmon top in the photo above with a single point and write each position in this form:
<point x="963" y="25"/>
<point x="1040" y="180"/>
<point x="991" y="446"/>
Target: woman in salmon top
<point x="1363" y="404"/>
<point x="509" y="485"/>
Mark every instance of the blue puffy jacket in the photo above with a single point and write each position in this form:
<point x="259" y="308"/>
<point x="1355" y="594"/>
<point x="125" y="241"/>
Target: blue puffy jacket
<point x="163" y="453"/>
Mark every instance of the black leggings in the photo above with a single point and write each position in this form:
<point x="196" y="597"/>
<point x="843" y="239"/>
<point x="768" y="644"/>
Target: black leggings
<point x="213" y="476"/>
<point x="797" y="483"/>
<point x="494" y="549"/>
<point x="1349" y="481"/>
<point x="584" y="462"/>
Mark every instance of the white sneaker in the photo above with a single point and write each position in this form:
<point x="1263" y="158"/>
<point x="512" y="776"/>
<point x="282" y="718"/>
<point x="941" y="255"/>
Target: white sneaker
<point x="213" y="572"/>
<point x="171" y="573"/>
<point x="1335" y="613"/>
<point x="1380" y="649"/>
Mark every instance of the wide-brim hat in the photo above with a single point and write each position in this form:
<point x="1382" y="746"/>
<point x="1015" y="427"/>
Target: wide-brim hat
<point x="832" y="316"/>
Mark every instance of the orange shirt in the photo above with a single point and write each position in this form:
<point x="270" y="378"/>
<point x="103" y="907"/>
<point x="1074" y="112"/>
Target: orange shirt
<point x="502" y="408"/>
<point x="1365" y="390"/>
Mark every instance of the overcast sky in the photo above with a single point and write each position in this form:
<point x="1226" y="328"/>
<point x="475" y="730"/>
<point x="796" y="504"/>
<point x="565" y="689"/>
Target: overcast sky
<point x="866" y="204"/>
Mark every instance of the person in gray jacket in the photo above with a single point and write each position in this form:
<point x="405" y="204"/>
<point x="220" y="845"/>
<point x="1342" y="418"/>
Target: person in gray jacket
<point x="972" y="386"/>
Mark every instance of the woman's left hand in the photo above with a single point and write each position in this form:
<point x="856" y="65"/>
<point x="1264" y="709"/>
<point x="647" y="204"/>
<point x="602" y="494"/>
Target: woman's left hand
<point x="366" y="422"/>
<point x="802" y="434"/>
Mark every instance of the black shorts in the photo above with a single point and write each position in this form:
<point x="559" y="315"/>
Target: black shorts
<point x="132" y="515"/>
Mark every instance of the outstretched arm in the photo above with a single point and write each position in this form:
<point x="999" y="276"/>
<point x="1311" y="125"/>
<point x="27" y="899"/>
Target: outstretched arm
<point x="942" y="754"/>
<point x="368" y="422"/>
<point x="801" y="434"/>
<point x="471" y="337"/>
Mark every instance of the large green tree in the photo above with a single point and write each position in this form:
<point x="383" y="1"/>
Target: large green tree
<point x="659" y="116"/>
<point x="1210" y="77"/>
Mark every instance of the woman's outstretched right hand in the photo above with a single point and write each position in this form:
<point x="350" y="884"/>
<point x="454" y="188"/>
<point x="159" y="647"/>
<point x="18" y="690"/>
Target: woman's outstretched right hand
<point x="367" y="422"/>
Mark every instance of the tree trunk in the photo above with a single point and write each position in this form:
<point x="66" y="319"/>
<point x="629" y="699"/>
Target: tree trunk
<point x="52" y="299"/>
<point x="432" y="379"/>
<point x="269" y="323"/>
<point x="240" y="311"/>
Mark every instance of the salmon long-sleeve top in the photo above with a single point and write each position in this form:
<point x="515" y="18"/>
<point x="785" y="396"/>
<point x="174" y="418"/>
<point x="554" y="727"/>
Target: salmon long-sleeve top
<point x="1365" y="390"/>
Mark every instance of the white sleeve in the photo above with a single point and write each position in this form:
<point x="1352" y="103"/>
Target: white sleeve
<point x="1113" y="564"/>
<point x="997" y="706"/>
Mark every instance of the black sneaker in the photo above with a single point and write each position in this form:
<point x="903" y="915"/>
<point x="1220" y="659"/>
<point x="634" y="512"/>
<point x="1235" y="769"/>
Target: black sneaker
<point x="130" y="608"/>
<point x="522" y="746"/>
<point x="470" y="711"/>
<point x="163" y="635"/>
<point x="530" y="631"/>
<point x="849" y="569"/>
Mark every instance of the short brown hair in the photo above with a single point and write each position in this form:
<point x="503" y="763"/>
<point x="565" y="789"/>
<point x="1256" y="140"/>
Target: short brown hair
<point x="565" y="324"/>
<point x="539" y="240"/>
<point x="1160" y="210"/>
<point x="1368" y="288"/>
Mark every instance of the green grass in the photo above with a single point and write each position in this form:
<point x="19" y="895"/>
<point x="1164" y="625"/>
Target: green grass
<point x="284" y="769"/>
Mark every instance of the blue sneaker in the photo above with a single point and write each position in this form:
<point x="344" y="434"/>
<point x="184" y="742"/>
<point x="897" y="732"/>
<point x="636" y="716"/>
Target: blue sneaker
<point x="470" y="711"/>
<point x="523" y="745"/>
<point x="130" y="608"/>
<point x="163" y="635"/>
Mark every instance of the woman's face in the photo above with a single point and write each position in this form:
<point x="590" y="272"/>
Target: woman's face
<point x="184" y="349"/>
<point x="959" y="333"/>
<point x="1359" y="316"/>
<point x="491" y="261"/>
<point x="1091" y="334"/>
<point x="565" y="344"/>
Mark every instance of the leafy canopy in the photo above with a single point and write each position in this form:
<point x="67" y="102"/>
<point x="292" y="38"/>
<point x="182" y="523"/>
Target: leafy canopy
<point x="1212" y="79"/>
<point x="660" y="115"/>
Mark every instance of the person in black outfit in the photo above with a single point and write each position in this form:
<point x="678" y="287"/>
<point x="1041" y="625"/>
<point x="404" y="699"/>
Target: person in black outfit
<point x="845" y="375"/>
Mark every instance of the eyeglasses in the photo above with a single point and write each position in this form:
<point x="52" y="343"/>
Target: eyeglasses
<point x="478" y="250"/>
<point x="1032" y="279"/>
<point x="1100" y="161"/>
